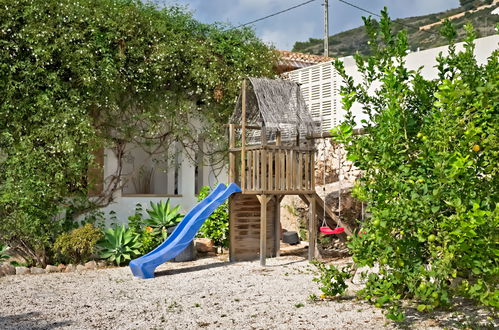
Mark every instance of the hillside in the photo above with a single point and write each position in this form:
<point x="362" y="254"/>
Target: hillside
<point x="348" y="42"/>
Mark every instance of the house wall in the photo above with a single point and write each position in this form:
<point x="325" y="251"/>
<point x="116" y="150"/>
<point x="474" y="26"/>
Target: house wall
<point x="124" y="204"/>
<point x="320" y="83"/>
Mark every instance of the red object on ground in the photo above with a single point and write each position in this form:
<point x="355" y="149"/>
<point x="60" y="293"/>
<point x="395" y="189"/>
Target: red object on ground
<point x="329" y="231"/>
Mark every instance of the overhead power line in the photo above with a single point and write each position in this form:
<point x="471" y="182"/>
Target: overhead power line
<point x="342" y="1"/>
<point x="274" y="14"/>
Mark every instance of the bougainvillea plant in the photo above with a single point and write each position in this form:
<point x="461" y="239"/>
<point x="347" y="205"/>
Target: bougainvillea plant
<point x="79" y="76"/>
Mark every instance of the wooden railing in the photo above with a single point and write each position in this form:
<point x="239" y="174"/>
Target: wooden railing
<point x="274" y="169"/>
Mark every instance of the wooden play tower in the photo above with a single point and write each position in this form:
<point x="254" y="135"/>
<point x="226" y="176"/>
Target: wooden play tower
<point x="270" y="157"/>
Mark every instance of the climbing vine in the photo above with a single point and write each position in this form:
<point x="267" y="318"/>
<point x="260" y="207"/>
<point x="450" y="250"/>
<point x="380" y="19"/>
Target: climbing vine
<point x="79" y="76"/>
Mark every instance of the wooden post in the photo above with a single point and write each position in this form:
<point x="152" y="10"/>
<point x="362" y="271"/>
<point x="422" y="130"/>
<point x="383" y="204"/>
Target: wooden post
<point x="312" y="227"/>
<point x="243" y="136"/>
<point x="263" y="160"/>
<point x="278" y="161"/>
<point x="263" y="228"/>
<point x="232" y="155"/>
<point x="277" y="225"/>
<point x="232" y="230"/>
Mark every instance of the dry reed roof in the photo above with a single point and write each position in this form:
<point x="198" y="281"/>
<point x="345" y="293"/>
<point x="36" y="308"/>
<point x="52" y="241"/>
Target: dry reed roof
<point x="276" y="104"/>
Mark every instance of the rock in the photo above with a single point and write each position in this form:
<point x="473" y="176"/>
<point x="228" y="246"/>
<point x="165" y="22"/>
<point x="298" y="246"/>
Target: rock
<point x="22" y="270"/>
<point x="52" y="269"/>
<point x="61" y="267"/>
<point x="80" y="268"/>
<point x="101" y="264"/>
<point x="8" y="269"/>
<point x="70" y="268"/>
<point x="188" y="254"/>
<point x="204" y="245"/>
<point x="37" y="270"/>
<point x="91" y="264"/>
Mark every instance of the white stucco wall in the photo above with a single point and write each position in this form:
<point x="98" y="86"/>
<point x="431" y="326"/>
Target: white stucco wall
<point x="124" y="206"/>
<point x="320" y="83"/>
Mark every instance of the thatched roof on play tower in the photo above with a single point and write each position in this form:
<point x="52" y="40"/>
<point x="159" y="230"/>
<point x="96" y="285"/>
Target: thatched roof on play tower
<point x="277" y="105"/>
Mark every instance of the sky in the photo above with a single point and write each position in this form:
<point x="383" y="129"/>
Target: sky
<point x="304" y="22"/>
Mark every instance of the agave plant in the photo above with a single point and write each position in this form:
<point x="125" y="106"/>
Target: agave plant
<point x="3" y="252"/>
<point x="119" y="245"/>
<point x="161" y="217"/>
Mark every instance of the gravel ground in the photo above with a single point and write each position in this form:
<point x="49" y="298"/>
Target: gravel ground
<point x="206" y="293"/>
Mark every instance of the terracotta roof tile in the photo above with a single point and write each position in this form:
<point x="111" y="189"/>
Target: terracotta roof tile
<point x="305" y="58"/>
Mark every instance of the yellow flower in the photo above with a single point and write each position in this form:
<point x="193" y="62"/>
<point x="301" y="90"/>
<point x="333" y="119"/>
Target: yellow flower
<point x="476" y="148"/>
<point x="149" y="229"/>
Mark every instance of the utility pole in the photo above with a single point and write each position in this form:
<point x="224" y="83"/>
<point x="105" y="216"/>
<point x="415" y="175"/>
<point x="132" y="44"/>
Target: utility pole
<point x="326" y="28"/>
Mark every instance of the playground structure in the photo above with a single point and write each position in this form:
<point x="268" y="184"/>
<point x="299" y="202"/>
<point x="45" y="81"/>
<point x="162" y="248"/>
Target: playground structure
<point x="271" y="154"/>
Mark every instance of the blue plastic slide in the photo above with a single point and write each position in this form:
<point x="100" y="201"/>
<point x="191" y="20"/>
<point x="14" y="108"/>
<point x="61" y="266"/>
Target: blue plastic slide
<point x="183" y="234"/>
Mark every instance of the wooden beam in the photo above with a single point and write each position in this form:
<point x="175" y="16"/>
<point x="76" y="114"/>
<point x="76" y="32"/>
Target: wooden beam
<point x="263" y="161"/>
<point x="246" y="126"/>
<point x="355" y="131"/>
<point x="232" y="155"/>
<point x="232" y="230"/>
<point x="263" y="228"/>
<point x="312" y="227"/>
<point x="243" y="136"/>
<point x="277" y="225"/>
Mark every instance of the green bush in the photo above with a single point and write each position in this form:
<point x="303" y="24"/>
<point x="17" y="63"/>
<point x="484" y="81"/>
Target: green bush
<point x="119" y="245"/>
<point x="331" y="279"/>
<point x="429" y="158"/>
<point x="3" y="252"/>
<point x="216" y="227"/>
<point x="147" y="237"/>
<point x="78" y="245"/>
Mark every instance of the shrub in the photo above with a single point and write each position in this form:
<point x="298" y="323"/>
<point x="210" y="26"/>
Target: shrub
<point x="216" y="227"/>
<point x="3" y="252"/>
<point x="429" y="158"/>
<point x="162" y="217"/>
<point x="331" y="279"/>
<point x="147" y="237"/>
<point x="78" y="245"/>
<point x="119" y="244"/>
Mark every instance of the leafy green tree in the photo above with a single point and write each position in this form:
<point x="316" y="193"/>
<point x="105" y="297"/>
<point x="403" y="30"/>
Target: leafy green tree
<point x="76" y="76"/>
<point x="429" y="158"/>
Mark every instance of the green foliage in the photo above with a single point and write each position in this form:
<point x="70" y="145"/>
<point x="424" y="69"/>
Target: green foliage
<point x="3" y="252"/>
<point x="76" y="76"/>
<point x="119" y="245"/>
<point x="78" y="245"/>
<point x="429" y="158"/>
<point x="216" y="227"/>
<point x="162" y="217"/>
<point x="331" y="279"/>
<point x="147" y="237"/>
